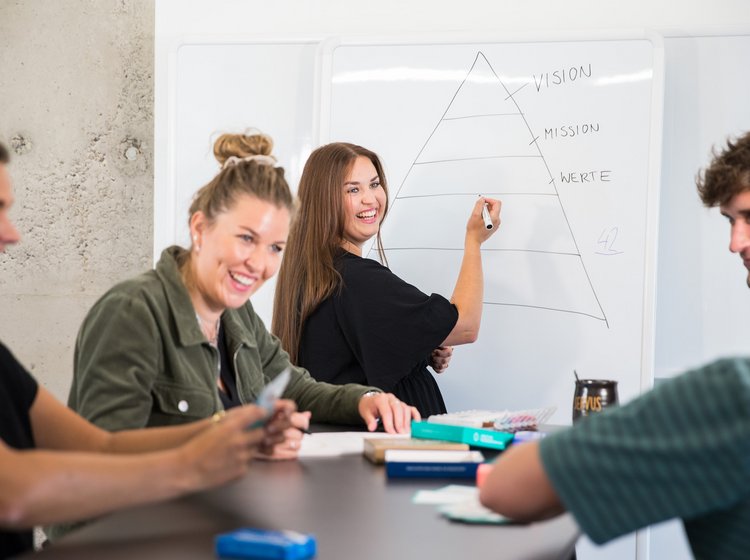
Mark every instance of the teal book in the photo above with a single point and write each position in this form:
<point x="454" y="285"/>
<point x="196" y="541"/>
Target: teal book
<point x="478" y="437"/>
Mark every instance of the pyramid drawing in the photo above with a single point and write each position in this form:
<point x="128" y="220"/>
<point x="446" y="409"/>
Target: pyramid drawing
<point x="483" y="144"/>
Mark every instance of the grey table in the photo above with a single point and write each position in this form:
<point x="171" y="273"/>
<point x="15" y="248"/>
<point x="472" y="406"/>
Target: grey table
<point x="347" y="502"/>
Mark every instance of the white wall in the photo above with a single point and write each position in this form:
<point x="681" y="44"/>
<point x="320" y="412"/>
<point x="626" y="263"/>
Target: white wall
<point x="702" y="298"/>
<point x="397" y="16"/>
<point x="77" y="91"/>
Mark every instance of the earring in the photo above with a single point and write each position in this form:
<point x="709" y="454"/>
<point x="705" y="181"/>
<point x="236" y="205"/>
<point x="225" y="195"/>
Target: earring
<point x="195" y="243"/>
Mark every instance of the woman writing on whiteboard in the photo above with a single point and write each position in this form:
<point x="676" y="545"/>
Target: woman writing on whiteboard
<point x="348" y="319"/>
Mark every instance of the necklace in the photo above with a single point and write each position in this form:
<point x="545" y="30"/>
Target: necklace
<point x="206" y="327"/>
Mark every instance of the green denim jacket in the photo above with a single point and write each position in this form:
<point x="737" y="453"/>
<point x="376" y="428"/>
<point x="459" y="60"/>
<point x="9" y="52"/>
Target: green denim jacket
<point x="142" y="360"/>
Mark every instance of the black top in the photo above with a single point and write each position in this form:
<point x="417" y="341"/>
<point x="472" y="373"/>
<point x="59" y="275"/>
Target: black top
<point x="17" y="393"/>
<point x="378" y="330"/>
<point x="229" y="398"/>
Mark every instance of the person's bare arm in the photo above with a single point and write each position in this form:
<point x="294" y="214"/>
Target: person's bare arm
<point x="59" y="484"/>
<point x="469" y="291"/>
<point x="56" y="427"/>
<point x="518" y="488"/>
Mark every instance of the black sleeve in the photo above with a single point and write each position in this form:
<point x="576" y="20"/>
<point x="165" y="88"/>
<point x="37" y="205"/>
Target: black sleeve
<point x="17" y="393"/>
<point x="16" y="380"/>
<point x="390" y="325"/>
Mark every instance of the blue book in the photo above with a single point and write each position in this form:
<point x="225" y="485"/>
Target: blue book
<point x="432" y="464"/>
<point x="478" y="437"/>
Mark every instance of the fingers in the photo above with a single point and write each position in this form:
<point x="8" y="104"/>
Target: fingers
<point x="394" y="414"/>
<point x="247" y="415"/>
<point x="368" y="410"/>
<point x="406" y="412"/>
<point x="301" y="420"/>
<point x="385" y="412"/>
<point x="285" y="405"/>
<point x="403" y="414"/>
<point x="476" y="212"/>
<point x="287" y="449"/>
<point x="244" y="423"/>
<point x="415" y="415"/>
<point x="494" y="206"/>
<point x="369" y="417"/>
<point x="440" y="367"/>
<point x="440" y="358"/>
<point x="476" y="229"/>
<point x="281" y="418"/>
<point x="443" y="351"/>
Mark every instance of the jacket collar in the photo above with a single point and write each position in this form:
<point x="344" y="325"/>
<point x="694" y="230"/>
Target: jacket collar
<point x="181" y="306"/>
<point x="186" y="323"/>
<point x="236" y="330"/>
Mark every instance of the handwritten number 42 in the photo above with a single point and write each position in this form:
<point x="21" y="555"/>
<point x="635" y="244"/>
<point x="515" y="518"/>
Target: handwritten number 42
<point x="606" y="243"/>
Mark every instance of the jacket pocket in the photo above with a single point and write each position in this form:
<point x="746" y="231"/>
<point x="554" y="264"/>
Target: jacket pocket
<point x="182" y="404"/>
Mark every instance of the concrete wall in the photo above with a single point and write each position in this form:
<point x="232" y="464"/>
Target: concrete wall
<point x="76" y="92"/>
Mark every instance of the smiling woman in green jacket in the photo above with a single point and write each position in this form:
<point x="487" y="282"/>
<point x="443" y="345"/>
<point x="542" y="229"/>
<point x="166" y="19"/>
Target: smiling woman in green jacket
<point x="56" y="467"/>
<point x="182" y="341"/>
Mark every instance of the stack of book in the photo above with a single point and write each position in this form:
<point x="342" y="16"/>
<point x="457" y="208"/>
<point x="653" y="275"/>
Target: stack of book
<point x="439" y="446"/>
<point x="413" y="457"/>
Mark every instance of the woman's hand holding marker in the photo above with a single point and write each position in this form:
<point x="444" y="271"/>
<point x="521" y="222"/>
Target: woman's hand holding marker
<point x="487" y="213"/>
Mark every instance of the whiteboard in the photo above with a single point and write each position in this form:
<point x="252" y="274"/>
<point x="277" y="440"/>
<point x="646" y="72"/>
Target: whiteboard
<point x="568" y="134"/>
<point x="227" y="86"/>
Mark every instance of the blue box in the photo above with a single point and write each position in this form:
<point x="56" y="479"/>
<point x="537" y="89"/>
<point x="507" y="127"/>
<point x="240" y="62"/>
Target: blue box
<point x="262" y="543"/>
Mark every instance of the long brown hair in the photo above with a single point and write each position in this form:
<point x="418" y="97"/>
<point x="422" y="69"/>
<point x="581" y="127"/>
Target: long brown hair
<point x="308" y="275"/>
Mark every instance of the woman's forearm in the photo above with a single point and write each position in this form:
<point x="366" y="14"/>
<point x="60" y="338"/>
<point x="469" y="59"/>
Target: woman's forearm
<point x="467" y="296"/>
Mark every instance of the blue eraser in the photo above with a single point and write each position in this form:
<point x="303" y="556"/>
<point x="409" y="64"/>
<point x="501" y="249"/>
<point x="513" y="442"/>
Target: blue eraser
<point x="262" y="543"/>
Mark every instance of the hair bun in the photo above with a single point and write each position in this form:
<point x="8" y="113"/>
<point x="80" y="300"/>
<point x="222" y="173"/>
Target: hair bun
<point x="250" y="143"/>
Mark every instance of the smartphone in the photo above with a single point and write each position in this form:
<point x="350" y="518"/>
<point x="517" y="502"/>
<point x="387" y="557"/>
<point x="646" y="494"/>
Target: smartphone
<point x="273" y="391"/>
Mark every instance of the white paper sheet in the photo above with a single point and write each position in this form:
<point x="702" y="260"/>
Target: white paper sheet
<point x="335" y="444"/>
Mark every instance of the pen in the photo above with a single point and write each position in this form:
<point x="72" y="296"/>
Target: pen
<point x="486" y="216"/>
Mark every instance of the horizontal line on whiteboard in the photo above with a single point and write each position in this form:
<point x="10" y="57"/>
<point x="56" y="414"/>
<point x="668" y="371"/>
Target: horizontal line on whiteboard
<point x="546" y="309"/>
<point x="473" y="158"/>
<point x="474" y="194"/>
<point x="483" y="115"/>
<point x="565" y="254"/>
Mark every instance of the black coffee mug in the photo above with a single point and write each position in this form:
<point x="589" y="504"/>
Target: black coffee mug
<point x="592" y="396"/>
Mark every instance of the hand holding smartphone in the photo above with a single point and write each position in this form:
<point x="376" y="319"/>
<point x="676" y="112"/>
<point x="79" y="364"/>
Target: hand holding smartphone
<point x="271" y="393"/>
